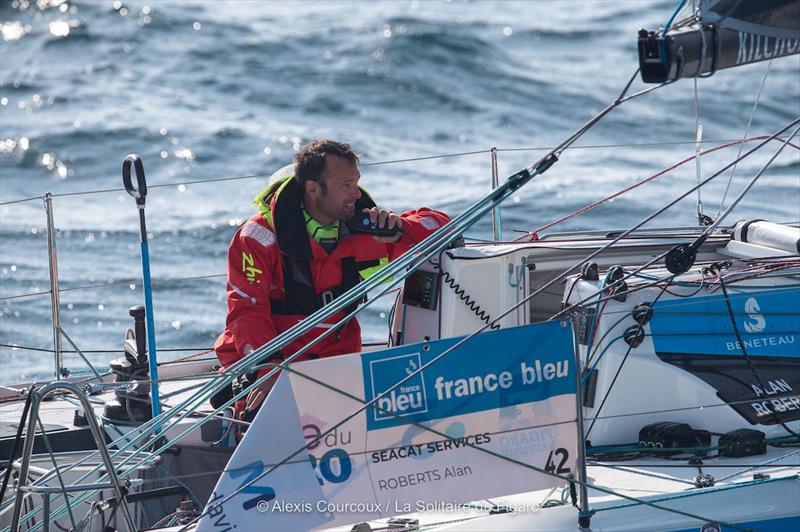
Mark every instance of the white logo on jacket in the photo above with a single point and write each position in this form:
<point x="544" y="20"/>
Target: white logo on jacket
<point x="259" y="233"/>
<point x="428" y="223"/>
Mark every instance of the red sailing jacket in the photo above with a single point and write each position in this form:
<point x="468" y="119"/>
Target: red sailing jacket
<point x="262" y="252"/>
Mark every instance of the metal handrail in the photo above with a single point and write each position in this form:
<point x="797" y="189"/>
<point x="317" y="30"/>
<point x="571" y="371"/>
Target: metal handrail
<point x="27" y="452"/>
<point x="46" y="491"/>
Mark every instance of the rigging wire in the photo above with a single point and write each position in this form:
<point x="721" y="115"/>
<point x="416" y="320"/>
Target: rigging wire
<point x="627" y="145"/>
<point x="203" y="350"/>
<point x="708" y="230"/>
<point x="640" y="328"/>
<point x="465" y="219"/>
<point x="447" y="351"/>
<point x="339" y="391"/>
<point x="670" y="304"/>
<point x="768" y="462"/>
<point x="444" y="435"/>
<point x="702" y="238"/>
<point x="596" y="252"/>
<point x="434" y="245"/>
<point x="746" y="131"/>
<point x="707" y="490"/>
<point x="379" y="163"/>
<point x="698" y="129"/>
<point x="127" y="284"/>
<point x="533" y="235"/>
<point x="428" y="157"/>
<point x="742" y="348"/>
<point x="52" y="455"/>
<point x="251" y="467"/>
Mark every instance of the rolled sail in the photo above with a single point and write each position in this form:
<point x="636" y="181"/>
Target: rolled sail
<point x="723" y="34"/>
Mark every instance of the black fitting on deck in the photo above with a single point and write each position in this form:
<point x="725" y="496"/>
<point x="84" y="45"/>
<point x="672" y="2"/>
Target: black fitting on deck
<point x="642" y="313"/>
<point x="680" y="258"/>
<point x="616" y="287"/>
<point x="634" y="336"/>
<point x="137" y="312"/>
<point x="590" y="271"/>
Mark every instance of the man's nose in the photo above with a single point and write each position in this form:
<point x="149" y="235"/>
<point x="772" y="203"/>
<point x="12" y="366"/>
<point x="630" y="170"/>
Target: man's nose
<point x="357" y="194"/>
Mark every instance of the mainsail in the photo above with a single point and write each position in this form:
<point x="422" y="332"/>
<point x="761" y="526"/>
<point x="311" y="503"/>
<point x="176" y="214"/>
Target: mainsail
<point x="721" y="34"/>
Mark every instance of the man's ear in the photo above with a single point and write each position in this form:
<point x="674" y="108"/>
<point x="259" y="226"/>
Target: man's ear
<point x="312" y="188"/>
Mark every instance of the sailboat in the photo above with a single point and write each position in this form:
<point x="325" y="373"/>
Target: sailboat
<point x="610" y="380"/>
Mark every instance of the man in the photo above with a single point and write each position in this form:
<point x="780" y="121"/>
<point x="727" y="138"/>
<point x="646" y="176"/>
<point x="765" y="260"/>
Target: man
<point x="299" y="253"/>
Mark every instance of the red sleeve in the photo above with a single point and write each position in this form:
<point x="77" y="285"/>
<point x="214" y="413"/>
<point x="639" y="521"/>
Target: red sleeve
<point x="253" y="260"/>
<point x="417" y="226"/>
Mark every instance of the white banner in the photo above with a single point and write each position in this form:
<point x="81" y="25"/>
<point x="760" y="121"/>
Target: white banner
<point x="509" y="392"/>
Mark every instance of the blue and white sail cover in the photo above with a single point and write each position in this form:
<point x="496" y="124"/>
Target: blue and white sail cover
<point x="464" y="428"/>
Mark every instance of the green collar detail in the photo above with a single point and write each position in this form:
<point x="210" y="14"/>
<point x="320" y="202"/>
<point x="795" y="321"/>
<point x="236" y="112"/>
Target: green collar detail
<point x="322" y="233"/>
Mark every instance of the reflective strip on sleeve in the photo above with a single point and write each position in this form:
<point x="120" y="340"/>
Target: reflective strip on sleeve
<point x="242" y="292"/>
<point x="259" y="233"/>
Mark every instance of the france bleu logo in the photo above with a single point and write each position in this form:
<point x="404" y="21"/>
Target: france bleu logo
<point x="403" y="400"/>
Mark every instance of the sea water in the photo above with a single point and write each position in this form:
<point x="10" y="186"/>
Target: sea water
<point x="215" y="96"/>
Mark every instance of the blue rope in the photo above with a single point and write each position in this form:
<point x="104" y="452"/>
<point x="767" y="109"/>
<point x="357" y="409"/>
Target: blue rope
<point x="674" y="14"/>
<point x="603" y="352"/>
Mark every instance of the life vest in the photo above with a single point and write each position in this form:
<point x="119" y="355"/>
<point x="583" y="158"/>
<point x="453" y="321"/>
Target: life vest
<point x="281" y="205"/>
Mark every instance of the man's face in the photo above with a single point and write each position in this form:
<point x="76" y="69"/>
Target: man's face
<point x="339" y="189"/>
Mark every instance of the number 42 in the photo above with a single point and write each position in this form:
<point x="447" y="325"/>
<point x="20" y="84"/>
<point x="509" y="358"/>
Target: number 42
<point x="550" y="466"/>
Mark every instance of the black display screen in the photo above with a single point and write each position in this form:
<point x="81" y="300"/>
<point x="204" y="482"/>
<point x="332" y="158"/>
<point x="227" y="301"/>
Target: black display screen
<point x="421" y="289"/>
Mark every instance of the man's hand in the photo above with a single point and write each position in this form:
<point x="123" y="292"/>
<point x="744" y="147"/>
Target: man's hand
<point x="388" y="219"/>
<point x="257" y="396"/>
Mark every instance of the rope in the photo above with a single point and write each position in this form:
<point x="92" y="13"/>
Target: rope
<point x="673" y="304"/>
<point x="746" y="130"/>
<point x="55" y="465"/>
<point x="640" y="472"/>
<point x="775" y="415"/>
<point x="634" y="500"/>
<point x="674" y="14"/>
<point x="624" y="359"/>
<point x="706" y="491"/>
<point x="711" y="228"/>
<point x="533" y="235"/>
<point x="768" y="462"/>
<point x="432" y="245"/>
<point x="17" y="442"/>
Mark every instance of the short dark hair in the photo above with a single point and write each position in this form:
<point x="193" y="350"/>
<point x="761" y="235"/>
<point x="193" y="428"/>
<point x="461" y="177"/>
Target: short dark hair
<point x="309" y="162"/>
